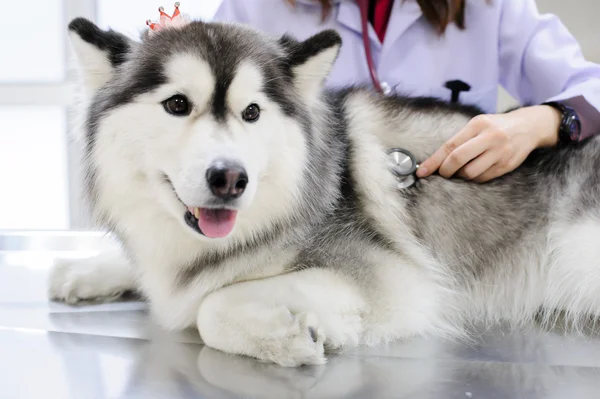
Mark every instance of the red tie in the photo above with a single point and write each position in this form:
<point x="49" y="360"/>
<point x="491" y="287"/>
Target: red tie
<point x="381" y="16"/>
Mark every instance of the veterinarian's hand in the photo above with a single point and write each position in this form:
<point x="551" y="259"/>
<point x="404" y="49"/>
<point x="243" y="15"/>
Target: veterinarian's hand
<point x="490" y="146"/>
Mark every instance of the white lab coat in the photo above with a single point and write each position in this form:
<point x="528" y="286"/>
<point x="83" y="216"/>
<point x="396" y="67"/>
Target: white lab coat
<point x="505" y="42"/>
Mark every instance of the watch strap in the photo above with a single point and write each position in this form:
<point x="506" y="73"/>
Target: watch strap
<point x="570" y="126"/>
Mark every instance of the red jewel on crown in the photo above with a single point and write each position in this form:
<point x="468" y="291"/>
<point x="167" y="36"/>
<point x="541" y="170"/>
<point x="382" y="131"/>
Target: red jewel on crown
<point x="166" y="21"/>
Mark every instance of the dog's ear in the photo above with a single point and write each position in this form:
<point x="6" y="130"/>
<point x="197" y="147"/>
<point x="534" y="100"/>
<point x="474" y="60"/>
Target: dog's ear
<point x="98" y="52"/>
<point x="311" y="60"/>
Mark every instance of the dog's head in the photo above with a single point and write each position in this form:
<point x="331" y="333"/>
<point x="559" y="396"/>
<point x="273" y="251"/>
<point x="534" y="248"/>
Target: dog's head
<point x="209" y="122"/>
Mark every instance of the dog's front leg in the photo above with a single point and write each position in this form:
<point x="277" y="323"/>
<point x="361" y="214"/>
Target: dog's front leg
<point x="288" y="319"/>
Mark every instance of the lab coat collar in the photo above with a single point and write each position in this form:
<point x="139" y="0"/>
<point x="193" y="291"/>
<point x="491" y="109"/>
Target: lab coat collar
<point x="348" y="14"/>
<point x="404" y="14"/>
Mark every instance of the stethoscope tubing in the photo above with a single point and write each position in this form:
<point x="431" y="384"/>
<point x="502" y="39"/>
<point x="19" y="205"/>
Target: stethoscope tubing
<point x="406" y="176"/>
<point x="364" y="18"/>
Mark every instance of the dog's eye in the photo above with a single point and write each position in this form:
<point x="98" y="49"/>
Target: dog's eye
<point x="177" y="105"/>
<point x="251" y="113"/>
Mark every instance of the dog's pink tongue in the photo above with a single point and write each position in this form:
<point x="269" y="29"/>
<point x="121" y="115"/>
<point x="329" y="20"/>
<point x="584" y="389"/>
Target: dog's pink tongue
<point x="216" y="223"/>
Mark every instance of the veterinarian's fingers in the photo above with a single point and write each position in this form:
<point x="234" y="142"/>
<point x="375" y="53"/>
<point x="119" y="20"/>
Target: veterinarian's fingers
<point x="503" y="166"/>
<point x="490" y="174"/>
<point x="433" y="163"/>
<point x="464" y="154"/>
<point x="499" y="169"/>
<point x="480" y="165"/>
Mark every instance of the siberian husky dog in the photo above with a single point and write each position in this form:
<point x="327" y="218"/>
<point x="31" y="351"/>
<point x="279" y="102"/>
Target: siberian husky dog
<point x="259" y="207"/>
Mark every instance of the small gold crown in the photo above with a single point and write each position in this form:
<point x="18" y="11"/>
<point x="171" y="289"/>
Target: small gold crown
<point x="167" y="21"/>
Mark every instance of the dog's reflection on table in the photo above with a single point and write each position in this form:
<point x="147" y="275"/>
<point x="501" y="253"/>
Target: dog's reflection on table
<point x="162" y="367"/>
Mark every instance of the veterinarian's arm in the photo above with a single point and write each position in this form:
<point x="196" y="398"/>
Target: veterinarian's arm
<point x="540" y="61"/>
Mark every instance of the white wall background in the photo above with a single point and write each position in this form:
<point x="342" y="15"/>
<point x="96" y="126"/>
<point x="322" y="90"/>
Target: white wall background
<point x="39" y="178"/>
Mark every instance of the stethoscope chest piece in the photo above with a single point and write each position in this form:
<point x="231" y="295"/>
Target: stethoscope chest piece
<point x="403" y="165"/>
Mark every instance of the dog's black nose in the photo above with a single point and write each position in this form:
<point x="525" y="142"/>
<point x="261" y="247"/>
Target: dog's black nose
<point x="227" y="180"/>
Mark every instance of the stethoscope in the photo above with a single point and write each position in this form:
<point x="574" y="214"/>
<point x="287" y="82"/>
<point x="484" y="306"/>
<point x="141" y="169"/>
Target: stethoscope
<point x="402" y="163"/>
<point x="404" y="166"/>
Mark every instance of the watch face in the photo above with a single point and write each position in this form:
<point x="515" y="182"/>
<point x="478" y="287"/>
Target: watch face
<point x="572" y="125"/>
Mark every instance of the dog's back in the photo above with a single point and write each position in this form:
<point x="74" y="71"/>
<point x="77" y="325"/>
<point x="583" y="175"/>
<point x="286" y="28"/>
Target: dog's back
<point x="524" y="242"/>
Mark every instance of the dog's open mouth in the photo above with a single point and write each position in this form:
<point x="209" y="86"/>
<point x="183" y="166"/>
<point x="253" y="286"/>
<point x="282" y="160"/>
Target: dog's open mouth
<point x="210" y="222"/>
<point x="213" y="223"/>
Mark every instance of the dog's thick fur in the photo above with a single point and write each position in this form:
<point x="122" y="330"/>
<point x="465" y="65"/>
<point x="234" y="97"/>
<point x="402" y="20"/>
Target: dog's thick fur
<point x="326" y="253"/>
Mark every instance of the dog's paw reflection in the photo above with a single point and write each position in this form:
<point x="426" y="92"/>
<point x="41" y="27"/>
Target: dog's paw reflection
<point x="252" y="378"/>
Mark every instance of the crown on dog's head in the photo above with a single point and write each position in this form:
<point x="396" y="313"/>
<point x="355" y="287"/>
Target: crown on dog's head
<point x="165" y="21"/>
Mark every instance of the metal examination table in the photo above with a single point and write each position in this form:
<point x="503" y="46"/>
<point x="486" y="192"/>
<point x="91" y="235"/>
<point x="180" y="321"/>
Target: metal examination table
<point x="50" y="350"/>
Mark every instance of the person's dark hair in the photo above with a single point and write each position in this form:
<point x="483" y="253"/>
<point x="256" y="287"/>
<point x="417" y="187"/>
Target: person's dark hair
<point x="439" y="13"/>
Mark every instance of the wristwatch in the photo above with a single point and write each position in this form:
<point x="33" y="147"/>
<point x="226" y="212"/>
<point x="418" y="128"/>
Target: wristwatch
<point x="570" y="124"/>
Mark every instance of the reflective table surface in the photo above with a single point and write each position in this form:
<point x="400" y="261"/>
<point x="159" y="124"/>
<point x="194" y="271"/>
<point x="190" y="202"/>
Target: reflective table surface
<point x="51" y="350"/>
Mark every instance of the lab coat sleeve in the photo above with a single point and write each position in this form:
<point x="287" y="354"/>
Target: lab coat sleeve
<point x="232" y="11"/>
<point x="541" y="61"/>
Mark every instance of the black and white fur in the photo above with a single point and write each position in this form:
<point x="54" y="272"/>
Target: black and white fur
<point x="326" y="253"/>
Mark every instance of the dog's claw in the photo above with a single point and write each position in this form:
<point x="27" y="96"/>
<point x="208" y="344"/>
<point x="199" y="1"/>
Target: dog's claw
<point x="313" y="334"/>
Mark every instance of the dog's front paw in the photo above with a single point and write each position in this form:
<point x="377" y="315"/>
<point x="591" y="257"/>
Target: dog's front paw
<point x="269" y="334"/>
<point x="301" y="344"/>
<point x="85" y="280"/>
